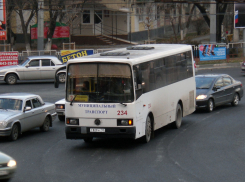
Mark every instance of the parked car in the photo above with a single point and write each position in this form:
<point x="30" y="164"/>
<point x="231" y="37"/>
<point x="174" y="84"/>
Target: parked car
<point x="33" y="68"/>
<point x="217" y="89"/>
<point x="7" y="167"/>
<point x="243" y="67"/>
<point x="60" y="109"/>
<point x="20" y="112"/>
<point x="195" y="67"/>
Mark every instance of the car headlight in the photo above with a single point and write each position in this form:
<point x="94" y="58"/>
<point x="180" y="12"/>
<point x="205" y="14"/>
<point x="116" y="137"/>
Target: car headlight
<point x="3" y="124"/>
<point x="11" y="163"/>
<point x="60" y="106"/>
<point x="201" y="97"/>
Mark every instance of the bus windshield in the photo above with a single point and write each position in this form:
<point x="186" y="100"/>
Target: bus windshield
<point x="99" y="82"/>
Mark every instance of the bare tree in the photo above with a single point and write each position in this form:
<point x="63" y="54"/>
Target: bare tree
<point x="220" y="13"/>
<point x="149" y="18"/>
<point x="55" y="9"/>
<point x="19" y="7"/>
<point x="56" y="13"/>
<point x="10" y="9"/>
<point x="189" y="20"/>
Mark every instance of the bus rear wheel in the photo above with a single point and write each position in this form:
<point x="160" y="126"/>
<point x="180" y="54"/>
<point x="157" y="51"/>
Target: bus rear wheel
<point x="178" y="119"/>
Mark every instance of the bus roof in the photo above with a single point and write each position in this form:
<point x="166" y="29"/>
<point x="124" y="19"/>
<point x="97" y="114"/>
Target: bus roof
<point x="135" y="54"/>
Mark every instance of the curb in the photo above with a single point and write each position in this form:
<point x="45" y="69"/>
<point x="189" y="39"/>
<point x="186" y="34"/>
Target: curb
<point x="219" y="66"/>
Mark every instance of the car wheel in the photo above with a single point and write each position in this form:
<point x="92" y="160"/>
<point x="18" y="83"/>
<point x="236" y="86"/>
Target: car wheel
<point x="88" y="140"/>
<point x="62" y="77"/>
<point x="46" y="124"/>
<point x="11" y="79"/>
<point x="14" y="133"/>
<point x="148" y="130"/>
<point x="178" y="120"/>
<point x="235" y="100"/>
<point x="61" y="118"/>
<point x="210" y="106"/>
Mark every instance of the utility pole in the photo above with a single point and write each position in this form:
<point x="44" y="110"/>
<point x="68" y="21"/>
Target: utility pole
<point x="40" y="31"/>
<point x="213" y="22"/>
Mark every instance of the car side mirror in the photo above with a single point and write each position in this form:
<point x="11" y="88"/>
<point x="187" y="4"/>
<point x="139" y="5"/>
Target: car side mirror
<point x="215" y="88"/>
<point x="27" y="108"/>
<point x="27" y="65"/>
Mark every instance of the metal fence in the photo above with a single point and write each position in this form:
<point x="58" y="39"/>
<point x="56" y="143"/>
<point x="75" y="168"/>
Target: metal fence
<point x="232" y="50"/>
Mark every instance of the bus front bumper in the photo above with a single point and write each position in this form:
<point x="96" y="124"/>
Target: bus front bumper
<point x="73" y="132"/>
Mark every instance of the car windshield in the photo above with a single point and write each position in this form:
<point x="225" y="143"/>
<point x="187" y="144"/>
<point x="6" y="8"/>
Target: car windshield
<point x="94" y="82"/>
<point x="24" y="62"/>
<point x="12" y="104"/>
<point x="204" y="82"/>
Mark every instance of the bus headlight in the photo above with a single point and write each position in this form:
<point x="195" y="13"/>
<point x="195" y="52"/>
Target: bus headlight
<point x="201" y="97"/>
<point x="124" y="122"/>
<point x="72" y="121"/>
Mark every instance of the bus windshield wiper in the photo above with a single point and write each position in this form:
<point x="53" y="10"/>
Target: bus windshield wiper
<point x="73" y="99"/>
<point x="123" y="104"/>
<point x="3" y="108"/>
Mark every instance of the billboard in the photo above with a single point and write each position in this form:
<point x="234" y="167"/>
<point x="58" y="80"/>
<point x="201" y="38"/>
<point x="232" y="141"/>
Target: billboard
<point x="3" y="32"/>
<point x="71" y="54"/>
<point x="209" y="52"/>
<point x="61" y="31"/>
<point x="239" y="15"/>
<point x="8" y="58"/>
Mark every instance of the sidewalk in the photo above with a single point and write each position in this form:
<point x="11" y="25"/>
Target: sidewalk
<point x="218" y="66"/>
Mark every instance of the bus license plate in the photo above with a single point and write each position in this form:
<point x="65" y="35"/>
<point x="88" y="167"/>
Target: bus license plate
<point x="97" y="130"/>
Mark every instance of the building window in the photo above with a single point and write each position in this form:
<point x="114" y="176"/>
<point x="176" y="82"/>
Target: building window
<point x="86" y="16"/>
<point x="140" y="13"/>
<point x="97" y="16"/>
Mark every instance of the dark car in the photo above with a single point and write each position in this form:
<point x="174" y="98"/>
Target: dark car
<point x="217" y="89"/>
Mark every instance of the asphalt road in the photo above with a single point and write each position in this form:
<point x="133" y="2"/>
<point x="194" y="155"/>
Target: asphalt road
<point x="208" y="147"/>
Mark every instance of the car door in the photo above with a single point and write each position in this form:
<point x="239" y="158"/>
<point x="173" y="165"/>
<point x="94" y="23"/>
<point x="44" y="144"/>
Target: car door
<point x="28" y="119"/>
<point x="47" y="69"/>
<point x="39" y="111"/>
<point x="32" y="71"/>
<point x="228" y="88"/>
<point x="219" y="92"/>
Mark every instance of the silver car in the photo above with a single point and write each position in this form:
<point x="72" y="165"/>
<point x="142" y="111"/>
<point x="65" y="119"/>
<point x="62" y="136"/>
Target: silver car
<point x="20" y="112"/>
<point x="60" y="109"/>
<point x="33" y="68"/>
<point x="7" y="167"/>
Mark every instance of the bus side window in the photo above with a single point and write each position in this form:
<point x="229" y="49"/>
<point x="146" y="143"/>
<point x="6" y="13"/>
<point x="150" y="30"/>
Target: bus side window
<point x="189" y="64"/>
<point x="138" y="81"/>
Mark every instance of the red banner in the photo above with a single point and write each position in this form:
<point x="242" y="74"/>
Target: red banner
<point x="8" y="58"/>
<point x="59" y="32"/>
<point x="3" y="33"/>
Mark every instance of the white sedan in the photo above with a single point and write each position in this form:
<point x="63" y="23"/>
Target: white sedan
<point x="33" y="68"/>
<point x="20" y="112"/>
<point x="60" y="109"/>
<point x="7" y="167"/>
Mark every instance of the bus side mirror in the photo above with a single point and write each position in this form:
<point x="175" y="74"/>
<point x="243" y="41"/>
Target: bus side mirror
<point x="56" y="81"/>
<point x="56" y="77"/>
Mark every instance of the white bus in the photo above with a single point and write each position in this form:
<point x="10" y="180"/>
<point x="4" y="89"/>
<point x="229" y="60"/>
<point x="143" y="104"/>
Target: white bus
<point x="129" y="92"/>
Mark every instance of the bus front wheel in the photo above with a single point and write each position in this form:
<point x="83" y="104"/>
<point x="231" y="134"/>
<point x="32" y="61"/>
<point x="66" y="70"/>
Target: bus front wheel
<point x="88" y="139"/>
<point x="148" y="130"/>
